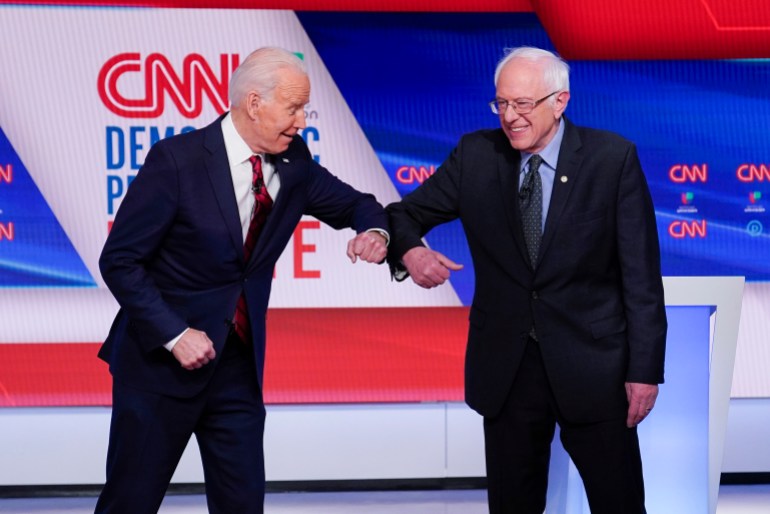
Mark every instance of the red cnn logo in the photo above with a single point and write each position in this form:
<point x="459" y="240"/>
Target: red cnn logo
<point x="159" y="79"/>
<point x="412" y="174"/>
<point x="6" y="231"/>
<point x="682" y="229"/>
<point x="681" y="173"/>
<point x="752" y="173"/>
<point x="6" y="173"/>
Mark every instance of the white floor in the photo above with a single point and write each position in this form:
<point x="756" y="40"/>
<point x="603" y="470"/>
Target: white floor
<point x="744" y="499"/>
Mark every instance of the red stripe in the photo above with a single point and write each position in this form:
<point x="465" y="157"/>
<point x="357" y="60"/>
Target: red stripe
<point x="313" y="356"/>
<point x="313" y="5"/>
<point x="590" y="29"/>
<point x="657" y="29"/>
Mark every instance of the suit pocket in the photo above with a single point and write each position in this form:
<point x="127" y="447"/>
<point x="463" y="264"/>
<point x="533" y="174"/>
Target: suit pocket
<point x="588" y="216"/>
<point x="608" y="326"/>
<point x="586" y="239"/>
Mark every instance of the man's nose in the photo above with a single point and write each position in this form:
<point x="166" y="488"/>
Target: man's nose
<point x="510" y="114"/>
<point x="300" y="119"/>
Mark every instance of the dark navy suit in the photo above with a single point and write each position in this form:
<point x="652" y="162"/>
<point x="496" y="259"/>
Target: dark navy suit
<point x="174" y="259"/>
<point x="595" y="298"/>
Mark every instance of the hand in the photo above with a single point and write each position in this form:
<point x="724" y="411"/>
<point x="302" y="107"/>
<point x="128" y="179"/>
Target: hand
<point x="427" y="267"/>
<point x="194" y="349"/>
<point x="641" y="400"/>
<point x="369" y="246"/>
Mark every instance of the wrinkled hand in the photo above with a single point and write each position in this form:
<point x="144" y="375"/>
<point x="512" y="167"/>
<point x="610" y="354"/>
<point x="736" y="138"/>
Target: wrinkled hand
<point x="194" y="349"/>
<point x="641" y="400"/>
<point x="427" y="267"/>
<point x="368" y="246"/>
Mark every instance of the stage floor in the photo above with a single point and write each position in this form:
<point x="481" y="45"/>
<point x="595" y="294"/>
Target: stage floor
<point x="733" y="499"/>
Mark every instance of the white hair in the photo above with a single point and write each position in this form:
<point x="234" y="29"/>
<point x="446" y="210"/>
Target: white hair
<point x="259" y="72"/>
<point x="555" y="69"/>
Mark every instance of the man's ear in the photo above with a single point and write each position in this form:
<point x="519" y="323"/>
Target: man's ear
<point x="253" y="104"/>
<point x="560" y="105"/>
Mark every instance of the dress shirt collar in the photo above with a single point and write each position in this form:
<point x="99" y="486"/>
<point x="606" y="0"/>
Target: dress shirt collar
<point x="238" y="151"/>
<point x="550" y="153"/>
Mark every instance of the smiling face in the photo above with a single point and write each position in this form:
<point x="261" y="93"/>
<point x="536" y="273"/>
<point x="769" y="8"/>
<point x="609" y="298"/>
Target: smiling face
<point x="277" y="118"/>
<point x="523" y="79"/>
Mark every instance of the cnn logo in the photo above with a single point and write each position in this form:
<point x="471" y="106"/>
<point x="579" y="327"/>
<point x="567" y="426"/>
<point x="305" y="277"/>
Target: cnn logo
<point x="154" y="79"/>
<point x="752" y="173"/>
<point x="687" y="229"/>
<point x="681" y="173"/>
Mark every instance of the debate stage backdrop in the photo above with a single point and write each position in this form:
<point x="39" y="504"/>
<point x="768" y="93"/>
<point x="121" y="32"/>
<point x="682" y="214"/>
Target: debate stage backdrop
<point x="88" y="87"/>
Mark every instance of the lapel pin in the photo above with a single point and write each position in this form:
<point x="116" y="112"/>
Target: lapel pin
<point x="284" y="159"/>
<point x="563" y="179"/>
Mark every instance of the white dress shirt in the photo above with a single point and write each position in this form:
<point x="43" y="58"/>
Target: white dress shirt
<point x="238" y="155"/>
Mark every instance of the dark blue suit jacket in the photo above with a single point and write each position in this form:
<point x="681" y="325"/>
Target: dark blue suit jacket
<point x="174" y="256"/>
<point x="596" y="297"/>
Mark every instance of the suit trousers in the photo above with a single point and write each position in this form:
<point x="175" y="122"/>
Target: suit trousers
<point x="518" y="446"/>
<point x="150" y="431"/>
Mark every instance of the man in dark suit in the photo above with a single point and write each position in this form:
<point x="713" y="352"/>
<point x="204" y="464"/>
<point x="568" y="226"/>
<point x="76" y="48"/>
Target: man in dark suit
<point x="190" y="260"/>
<point x="568" y="322"/>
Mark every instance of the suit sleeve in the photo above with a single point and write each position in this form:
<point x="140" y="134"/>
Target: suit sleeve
<point x="436" y="201"/>
<point x="137" y="235"/>
<point x="339" y="205"/>
<point x="639" y="254"/>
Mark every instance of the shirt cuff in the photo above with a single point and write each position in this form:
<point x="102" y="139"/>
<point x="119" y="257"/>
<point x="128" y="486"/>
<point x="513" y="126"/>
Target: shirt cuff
<point x="170" y="345"/>
<point x="383" y="233"/>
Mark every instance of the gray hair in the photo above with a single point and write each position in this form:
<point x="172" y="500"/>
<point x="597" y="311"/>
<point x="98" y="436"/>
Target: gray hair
<point x="555" y="69"/>
<point x="259" y="72"/>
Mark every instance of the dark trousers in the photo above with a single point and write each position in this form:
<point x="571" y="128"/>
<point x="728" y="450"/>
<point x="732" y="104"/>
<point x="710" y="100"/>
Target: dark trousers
<point x="149" y="433"/>
<point x="518" y="446"/>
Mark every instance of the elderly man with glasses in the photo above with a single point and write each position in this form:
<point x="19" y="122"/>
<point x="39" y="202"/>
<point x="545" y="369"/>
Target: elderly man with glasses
<point x="568" y="323"/>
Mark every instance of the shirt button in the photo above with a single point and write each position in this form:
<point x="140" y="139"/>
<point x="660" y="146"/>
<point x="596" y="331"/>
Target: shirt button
<point x="534" y="295"/>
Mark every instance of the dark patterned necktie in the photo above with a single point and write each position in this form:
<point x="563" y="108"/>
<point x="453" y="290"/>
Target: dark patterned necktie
<point x="262" y="205"/>
<point x="531" y="207"/>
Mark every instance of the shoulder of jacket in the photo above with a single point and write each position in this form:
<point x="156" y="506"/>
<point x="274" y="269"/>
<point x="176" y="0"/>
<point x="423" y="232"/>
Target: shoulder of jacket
<point x="601" y="136"/>
<point x="484" y="135"/>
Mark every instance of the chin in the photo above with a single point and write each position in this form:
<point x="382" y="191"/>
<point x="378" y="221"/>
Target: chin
<point x="284" y="143"/>
<point x="517" y="145"/>
<point x="280" y="147"/>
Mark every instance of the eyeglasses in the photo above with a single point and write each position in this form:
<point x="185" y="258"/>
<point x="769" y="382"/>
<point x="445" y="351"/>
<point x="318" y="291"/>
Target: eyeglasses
<point x="500" y="106"/>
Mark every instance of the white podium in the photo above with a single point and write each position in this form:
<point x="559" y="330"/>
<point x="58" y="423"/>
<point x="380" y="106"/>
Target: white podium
<point x="682" y="441"/>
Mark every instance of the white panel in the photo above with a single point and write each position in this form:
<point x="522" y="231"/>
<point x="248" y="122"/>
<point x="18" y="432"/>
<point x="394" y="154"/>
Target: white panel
<point x="72" y="315"/>
<point x="465" y="442"/>
<point x="55" y="446"/>
<point x="724" y="293"/>
<point x="747" y="447"/>
<point x="752" y="358"/>
<point x="357" y="441"/>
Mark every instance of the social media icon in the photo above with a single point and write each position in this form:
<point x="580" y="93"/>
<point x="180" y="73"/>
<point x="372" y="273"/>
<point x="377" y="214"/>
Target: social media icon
<point x="754" y="228"/>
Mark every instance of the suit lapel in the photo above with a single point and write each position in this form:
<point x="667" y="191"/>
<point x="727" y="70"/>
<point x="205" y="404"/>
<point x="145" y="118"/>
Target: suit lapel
<point x="508" y="164"/>
<point x="286" y="168"/>
<point x="218" y="168"/>
<point x="567" y="171"/>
